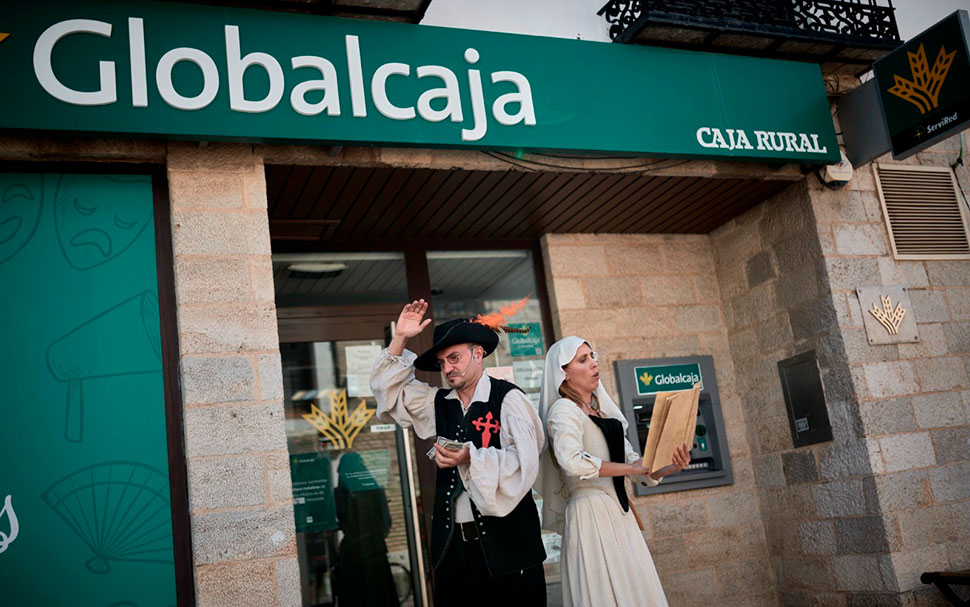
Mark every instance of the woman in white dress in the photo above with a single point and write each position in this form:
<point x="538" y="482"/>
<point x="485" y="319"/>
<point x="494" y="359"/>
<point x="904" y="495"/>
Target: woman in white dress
<point x="605" y="561"/>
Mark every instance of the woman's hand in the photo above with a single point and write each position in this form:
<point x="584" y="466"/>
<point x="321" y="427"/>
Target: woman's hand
<point x="681" y="459"/>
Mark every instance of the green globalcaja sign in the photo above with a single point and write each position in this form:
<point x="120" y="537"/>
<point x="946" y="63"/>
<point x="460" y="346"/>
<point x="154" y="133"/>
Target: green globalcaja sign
<point x="200" y="72"/>
<point x="668" y="378"/>
<point x="923" y="86"/>
<point x="528" y="343"/>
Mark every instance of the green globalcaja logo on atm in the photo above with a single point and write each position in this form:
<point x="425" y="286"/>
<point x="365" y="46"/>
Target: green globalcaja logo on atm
<point x="162" y="69"/>
<point x="667" y="378"/>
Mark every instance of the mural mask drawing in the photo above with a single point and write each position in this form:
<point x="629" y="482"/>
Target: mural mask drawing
<point x="20" y="204"/>
<point x="94" y="227"/>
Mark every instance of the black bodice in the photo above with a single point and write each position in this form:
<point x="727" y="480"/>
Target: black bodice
<point x="613" y="431"/>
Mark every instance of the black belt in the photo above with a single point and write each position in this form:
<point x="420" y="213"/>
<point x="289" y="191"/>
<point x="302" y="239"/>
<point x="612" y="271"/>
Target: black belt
<point x="468" y="531"/>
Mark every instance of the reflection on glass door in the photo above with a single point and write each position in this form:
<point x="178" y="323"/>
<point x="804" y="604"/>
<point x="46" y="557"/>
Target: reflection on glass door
<point x="352" y="506"/>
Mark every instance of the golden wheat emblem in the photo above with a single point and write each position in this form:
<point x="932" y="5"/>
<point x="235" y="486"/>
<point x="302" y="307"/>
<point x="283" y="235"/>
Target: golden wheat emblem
<point x="923" y="90"/>
<point x="646" y="378"/>
<point x="887" y="316"/>
<point x="338" y="426"/>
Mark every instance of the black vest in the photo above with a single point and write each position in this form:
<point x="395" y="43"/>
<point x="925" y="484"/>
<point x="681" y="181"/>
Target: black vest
<point x="511" y="542"/>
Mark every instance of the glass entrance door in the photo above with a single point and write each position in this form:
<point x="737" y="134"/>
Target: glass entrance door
<point x="361" y="488"/>
<point x="353" y="507"/>
<point x="351" y="487"/>
<point x="355" y="495"/>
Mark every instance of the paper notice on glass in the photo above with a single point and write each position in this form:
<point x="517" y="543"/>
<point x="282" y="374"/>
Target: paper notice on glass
<point x="672" y="423"/>
<point x="528" y="373"/>
<point x="500" y="373"/>
<point x="360" y="362"/>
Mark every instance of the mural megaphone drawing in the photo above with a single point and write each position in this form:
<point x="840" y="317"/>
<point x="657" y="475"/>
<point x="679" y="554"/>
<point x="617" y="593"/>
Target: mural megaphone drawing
<point x="122" y="340"/>
<point x="6" y="540"/>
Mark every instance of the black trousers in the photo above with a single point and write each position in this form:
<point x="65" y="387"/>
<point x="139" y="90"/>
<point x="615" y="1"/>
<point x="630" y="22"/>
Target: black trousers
<point x="462" y="580"/>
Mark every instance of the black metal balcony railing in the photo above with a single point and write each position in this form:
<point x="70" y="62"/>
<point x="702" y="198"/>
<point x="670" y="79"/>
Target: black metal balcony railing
<point x="849" y="22"/>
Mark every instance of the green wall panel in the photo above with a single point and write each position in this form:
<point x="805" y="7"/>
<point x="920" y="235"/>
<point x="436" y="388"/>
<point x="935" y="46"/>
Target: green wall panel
<point x="85" y="464"/>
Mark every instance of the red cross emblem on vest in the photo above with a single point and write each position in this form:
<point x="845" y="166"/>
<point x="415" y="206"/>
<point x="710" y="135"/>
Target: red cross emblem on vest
<point x="484" y="424"/>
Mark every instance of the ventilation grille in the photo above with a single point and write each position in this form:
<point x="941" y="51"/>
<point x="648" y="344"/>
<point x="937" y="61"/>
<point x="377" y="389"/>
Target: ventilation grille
<point x="924" y="213"/>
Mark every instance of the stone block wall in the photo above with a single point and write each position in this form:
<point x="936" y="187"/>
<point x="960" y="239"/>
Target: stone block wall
<point x="856" y="520"/>
<point x="825" y="534"/>
<point x="240" y="498"/>
<point x="914" y="399"/>
<point x="647" y="296"/>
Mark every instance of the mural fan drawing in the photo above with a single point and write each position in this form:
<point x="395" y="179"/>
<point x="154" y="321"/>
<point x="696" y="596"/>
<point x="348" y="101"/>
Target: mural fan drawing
<point x="120" y="510"/>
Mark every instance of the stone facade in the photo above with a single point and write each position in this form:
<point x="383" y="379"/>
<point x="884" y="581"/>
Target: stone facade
<point x="822" y="520"/>
<point x="853" y="521"/>
<point x="240" y="499"/>
<point x="913" y="399"/>
<point x="647" y="296"/>
<point x="846" y="523"/>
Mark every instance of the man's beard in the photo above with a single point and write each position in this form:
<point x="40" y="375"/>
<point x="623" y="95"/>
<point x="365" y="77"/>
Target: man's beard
<point x="457" y="381"/>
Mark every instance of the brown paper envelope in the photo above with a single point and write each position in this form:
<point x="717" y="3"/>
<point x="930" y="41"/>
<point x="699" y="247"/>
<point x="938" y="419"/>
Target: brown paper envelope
<point x="656" y="428"/>
<point x="692" y="422"/>
<point x="681" y="418"/>
<point x="678" y="412"/>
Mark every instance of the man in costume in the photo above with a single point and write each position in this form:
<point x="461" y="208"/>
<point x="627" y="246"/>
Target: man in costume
<point x="486" y="547"/>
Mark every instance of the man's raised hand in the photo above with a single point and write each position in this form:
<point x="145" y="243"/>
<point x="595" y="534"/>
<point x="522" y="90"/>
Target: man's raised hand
<point x="410" y="322"/>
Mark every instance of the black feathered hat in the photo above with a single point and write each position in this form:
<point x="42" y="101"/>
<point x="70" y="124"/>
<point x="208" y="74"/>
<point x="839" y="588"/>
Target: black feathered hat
<point x="453" y="332"/>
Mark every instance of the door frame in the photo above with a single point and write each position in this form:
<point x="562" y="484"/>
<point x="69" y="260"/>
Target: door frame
<point x="323" y="323"/>
<point x="354" y="322"/>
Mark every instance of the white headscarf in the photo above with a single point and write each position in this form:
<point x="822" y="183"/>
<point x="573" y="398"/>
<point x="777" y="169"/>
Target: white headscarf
<point x="549" y="483"/>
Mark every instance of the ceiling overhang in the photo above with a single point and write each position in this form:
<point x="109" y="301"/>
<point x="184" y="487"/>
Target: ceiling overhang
<point x="348" y="205"/>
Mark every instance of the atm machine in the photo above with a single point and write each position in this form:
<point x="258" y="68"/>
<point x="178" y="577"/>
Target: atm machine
<point x="639" y="381"/>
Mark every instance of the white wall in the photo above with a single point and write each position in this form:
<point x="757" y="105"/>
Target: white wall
<point x="575" y="19"/>
<point x="914" y="16"/>
<point x="578" y="18"/>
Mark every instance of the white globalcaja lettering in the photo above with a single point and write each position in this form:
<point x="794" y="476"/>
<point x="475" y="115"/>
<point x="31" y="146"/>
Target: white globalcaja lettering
<point x="237" y="69"/>
<point x="44" y="70"/>
<point x="328" y="84"/>
<point x="166" y="88"/>
<point x="437" y="104"/>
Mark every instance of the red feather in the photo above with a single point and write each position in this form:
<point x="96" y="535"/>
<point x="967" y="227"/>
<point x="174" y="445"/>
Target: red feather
<point x="496" y="320"/>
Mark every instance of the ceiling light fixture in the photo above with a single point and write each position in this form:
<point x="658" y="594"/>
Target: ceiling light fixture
<point x="316" y="270"/>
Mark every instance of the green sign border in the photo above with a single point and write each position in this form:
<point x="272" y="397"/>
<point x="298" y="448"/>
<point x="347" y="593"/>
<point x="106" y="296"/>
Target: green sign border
<point x="140" y="62"/>
<point x="636" y="376"/>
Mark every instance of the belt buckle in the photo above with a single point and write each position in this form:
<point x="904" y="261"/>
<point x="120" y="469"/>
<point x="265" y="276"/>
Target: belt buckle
<point x="463" y="536"/>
